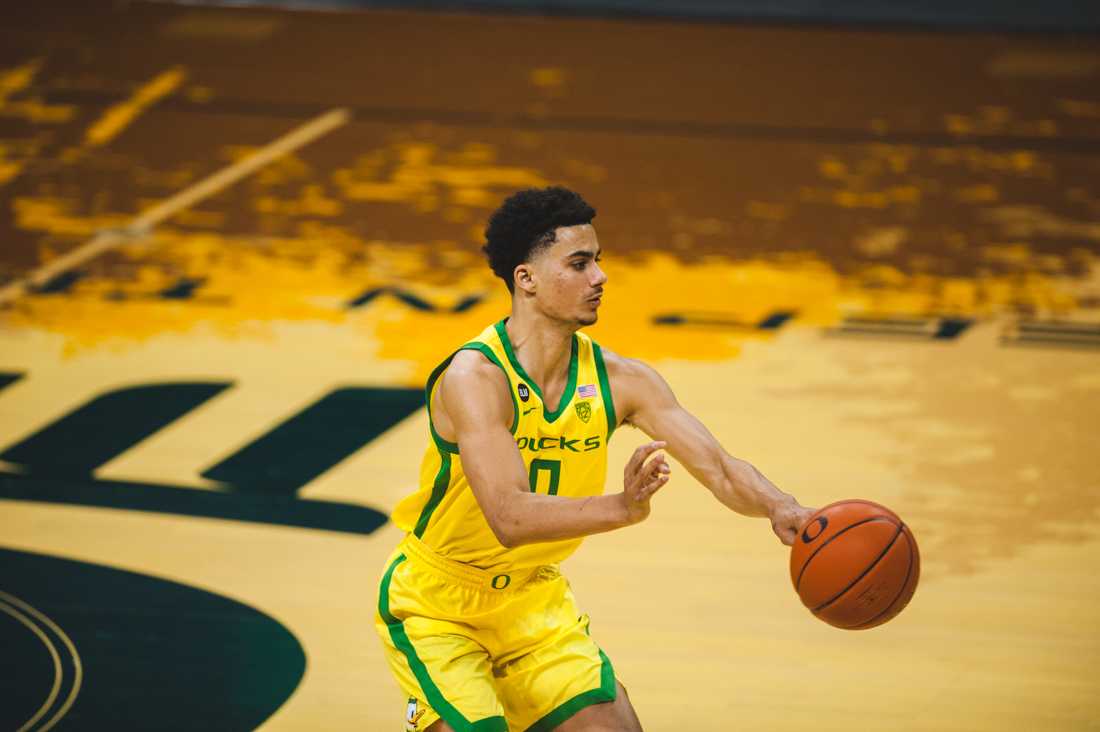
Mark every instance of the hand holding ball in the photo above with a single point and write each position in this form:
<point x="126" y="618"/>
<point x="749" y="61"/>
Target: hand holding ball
<point x="855" y="564"/>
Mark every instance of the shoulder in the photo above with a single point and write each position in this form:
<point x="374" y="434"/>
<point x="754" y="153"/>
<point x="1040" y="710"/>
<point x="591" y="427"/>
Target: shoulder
<point x="627" y="370"/>
<point x="472" y="381"/>
<point x="470" y="361"/>
<point x="472" y="369"/>
<point x="635" y="385"/>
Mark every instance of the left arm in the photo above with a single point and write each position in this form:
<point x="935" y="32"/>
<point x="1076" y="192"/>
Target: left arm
<point x="645" y="400"/>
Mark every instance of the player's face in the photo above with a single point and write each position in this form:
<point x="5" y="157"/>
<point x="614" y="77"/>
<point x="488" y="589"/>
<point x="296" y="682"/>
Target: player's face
<point x="569" y="279"/>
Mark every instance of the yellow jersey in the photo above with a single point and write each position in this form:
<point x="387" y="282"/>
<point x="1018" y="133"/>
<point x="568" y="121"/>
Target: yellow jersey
<point x="564" y="451"/>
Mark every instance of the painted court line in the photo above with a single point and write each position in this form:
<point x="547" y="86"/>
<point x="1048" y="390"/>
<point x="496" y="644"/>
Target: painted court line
<point x="54" y="656"/>
<point x="78" y="667"/>
<point x="120" y="116"/>
<point x="143" y="223"/>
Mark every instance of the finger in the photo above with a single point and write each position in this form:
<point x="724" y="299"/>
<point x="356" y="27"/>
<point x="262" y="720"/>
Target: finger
<point x="656" y="485"/>
<point x="645" y="474"/>
<point x="640" y="454"/>
<point x="641" y="490"/>
<point x="655" y="472"/>
<point x="646" y="492"/>
<point x="657" y="464"/>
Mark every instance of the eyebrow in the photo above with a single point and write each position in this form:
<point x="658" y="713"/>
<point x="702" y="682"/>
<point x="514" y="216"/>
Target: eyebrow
<point x="583" y="253"/>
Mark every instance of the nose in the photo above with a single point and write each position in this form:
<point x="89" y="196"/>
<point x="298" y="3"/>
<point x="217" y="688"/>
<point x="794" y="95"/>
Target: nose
<point x="599" y="277"/>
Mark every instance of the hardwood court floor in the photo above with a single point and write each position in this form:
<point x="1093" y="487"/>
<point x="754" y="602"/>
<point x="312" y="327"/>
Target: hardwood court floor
<point x="867" y="260"/>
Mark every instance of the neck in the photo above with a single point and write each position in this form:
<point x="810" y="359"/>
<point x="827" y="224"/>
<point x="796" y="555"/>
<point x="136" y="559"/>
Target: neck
<point x="542" y="345"/>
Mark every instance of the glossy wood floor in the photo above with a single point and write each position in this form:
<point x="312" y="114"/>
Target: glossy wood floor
<point x="866" y="260"/>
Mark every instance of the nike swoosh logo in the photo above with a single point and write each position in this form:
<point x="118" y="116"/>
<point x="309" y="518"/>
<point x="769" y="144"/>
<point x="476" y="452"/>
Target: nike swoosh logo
<point x="529" y="410"/>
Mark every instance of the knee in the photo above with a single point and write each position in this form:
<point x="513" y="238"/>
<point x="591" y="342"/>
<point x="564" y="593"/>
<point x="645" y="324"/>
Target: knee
<point x="613" y="716"/>
<point x="439" y="726"/>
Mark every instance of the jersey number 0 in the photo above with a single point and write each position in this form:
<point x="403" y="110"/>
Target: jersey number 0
<point x="553" y="467"/>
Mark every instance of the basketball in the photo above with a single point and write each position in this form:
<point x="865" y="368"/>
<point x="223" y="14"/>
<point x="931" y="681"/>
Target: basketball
<point x="855" y="564"/>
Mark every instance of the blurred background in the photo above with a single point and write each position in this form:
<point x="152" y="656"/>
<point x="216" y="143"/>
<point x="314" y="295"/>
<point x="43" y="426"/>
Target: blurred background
<point x="859" y="239"/>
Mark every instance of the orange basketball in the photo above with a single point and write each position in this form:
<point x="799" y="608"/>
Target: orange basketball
<point x="855" y="564"/>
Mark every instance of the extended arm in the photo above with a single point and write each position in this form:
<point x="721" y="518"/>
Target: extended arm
<point x="476" y="407"/>
<point x="648" y="403"/>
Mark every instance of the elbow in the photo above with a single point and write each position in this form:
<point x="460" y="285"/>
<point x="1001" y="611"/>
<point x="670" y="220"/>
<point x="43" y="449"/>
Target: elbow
<point x="507" y="531"/>
<point x="508" y="541"/>
<point x="509" y="538"/>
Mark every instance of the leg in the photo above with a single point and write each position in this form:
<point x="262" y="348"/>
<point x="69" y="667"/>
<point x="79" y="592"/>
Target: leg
<point x="562" y="674"/>
<point x="616" y="716"/>
<point x="445" y="673"/>
<point x="445" y="676"/>
<point x="439" y="726"/>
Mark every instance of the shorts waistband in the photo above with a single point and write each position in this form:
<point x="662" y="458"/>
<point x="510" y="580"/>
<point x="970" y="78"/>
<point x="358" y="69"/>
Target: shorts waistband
<point x="465" y="573"/>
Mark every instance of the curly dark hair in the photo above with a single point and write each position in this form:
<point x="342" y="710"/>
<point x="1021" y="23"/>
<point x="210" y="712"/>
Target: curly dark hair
<point x="525" y="223"/>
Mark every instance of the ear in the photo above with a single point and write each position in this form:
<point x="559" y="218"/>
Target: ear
<point x="524" y="277"/>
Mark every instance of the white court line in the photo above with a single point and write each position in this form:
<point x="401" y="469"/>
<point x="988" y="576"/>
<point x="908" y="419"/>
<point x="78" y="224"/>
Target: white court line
<point x="54" y="656"/>
<point x="78" y="667"/>
<point x="143" y="223"/>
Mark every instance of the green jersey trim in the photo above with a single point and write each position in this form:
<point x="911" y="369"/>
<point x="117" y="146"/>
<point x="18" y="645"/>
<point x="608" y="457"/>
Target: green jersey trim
<point x="439" y="488"/>
<point x="435" y="697"/>
<point x="606" y="693"/>
<point x="446" y="445"/>
<point x="605" y="389"/>
<point x="440" y="443"/>
<point x="570" y="384"/>
<point x="488" y="353"/>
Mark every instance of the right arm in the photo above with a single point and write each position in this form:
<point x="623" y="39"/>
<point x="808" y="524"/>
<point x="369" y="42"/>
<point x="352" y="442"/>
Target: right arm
<point x="476" y="405"/>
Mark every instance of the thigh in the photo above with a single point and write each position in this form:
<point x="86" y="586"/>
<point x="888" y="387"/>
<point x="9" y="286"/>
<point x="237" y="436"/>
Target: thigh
<point x="559" y="670"/>
<point x="442" y="671"/>
<point x="615" y="716"/>
<point x="439" y="726"/>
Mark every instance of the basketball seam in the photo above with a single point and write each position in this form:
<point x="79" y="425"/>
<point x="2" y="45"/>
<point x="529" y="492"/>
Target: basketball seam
<point x="798" y="582"/>
<point x="905" y="582"/>
<point x="862" y="574"/>
<point x="865" y="502"/>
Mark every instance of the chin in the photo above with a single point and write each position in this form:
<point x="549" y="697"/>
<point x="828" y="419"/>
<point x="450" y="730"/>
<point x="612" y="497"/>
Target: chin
<point x="588" y="319"/>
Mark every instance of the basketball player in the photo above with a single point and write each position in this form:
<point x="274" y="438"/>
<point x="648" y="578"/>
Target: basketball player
<point x="479" y="625"/>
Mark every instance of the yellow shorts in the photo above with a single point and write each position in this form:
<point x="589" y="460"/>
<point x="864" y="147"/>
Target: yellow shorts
<point x="487" y="653"/>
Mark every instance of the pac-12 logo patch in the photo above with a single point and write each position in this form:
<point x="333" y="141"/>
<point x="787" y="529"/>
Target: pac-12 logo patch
<point x="584" y="411"/>
<point x="413" y="713"/>
<point x="524" y="392"/>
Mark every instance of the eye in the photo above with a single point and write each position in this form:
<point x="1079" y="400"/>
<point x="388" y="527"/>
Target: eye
<point x="579" y="265"/>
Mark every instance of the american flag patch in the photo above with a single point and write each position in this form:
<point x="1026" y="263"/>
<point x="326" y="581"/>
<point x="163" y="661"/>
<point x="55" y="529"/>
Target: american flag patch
<point x="587" y="391"/>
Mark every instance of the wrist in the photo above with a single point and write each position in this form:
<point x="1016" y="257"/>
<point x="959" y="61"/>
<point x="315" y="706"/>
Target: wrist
<point x="780" y="505"/>
<point x="626" y="513"/>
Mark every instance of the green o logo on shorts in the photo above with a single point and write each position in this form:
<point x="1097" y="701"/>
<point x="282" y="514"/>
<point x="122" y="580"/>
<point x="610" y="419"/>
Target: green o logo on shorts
<point x="501" y="581"/>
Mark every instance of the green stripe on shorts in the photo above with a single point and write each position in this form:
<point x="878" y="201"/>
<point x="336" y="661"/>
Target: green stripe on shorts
<point x="606" y="693"/>
<point x="432" y="693"/>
